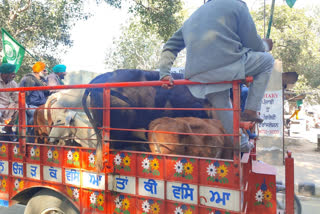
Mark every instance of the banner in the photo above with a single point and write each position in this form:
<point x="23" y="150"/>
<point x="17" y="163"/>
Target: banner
<point x="13" y="52"/>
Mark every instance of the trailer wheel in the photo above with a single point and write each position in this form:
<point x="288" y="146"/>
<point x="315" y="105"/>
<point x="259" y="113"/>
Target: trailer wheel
<point x="49" y="202"/>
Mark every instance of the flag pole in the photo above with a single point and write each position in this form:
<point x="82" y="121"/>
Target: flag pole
<point x="271" y="18"/>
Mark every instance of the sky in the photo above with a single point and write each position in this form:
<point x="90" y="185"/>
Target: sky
<point x="93" y="37"/>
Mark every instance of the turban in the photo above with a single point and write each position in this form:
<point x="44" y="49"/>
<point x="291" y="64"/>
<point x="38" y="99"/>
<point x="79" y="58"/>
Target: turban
<point x="38" y="66"/>
<point x="59" y="68"/>
<point x="7" y="68"/>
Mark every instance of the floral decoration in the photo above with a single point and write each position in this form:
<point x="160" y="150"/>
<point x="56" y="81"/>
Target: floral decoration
<point x="97" y="200"/>
<point x="263" y="194"/>
<point x="122" y="161"/>
<point x="151" y="206"/>
<point x="53" y="155"/>
<point x="73" y="193"/>
<point x="18" y="185"/>
<point x="212" y="211"/>
<point x="122" y="204"/>
<point x="92" y="159"/>
<point x="218" y="171"/>
<point x="183" y="209"/>
<point x="3" y="150"/>
<point x="150" y="164"/>
<point x="73" y="157"/>
<point x="35" y="153"/>
<point x="184" y="168"/>
<point x="3" y="183"/>
<point x="16" y="152"/>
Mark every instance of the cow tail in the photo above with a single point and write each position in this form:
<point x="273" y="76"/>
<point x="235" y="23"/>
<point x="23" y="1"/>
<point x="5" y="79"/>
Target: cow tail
<point x="99" y="161"/>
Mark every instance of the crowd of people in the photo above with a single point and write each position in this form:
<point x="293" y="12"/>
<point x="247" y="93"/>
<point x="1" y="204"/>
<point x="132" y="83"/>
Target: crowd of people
<point x="38" y="77"/>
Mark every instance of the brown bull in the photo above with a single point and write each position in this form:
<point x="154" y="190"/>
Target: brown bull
<point x="189" y="125"/>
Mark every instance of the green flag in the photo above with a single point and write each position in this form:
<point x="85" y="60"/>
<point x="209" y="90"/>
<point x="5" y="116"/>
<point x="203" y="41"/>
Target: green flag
<point x="290" y="3"/>
<point x="13" y="52"/>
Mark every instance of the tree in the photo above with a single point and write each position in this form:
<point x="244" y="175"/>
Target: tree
<point x="160" y="16"/>
<point x="41" y="26"/>
<point x="137" y="48"/>
<point x="295" y="34"/>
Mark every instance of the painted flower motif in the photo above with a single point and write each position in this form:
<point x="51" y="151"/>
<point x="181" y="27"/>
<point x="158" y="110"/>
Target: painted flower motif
<point x="267" y="195"/>
<point x="188" y="212"/>
<point x="117" y="159"/>
<point x="93" y="198"/>
<point x="155" y="208"/>
<point x="146" y="163"/>
<point x="211" y="170"/>
<point x="75" y="193"/>
<point x="21" y="184"/>
<point x="50" y="154"/>
<point x="16" y="184"/>
<point x="178" y="167"/>
<point x="118" y="203"/>
<point x="15" y="150"/>
<point x="178" y="210"/>
<point x="69" y="155"/>
<point x="91" y="158"/>
<point x="126" y="161"/>
<point x="4" y="183"/>
<point x="76" y="156"/>
<point x="125" y="204"/>
<point x="259" y="195"/>
<point x="188" y="168"/>
<point x="155" y="164"/>
<point x="146" y="206"/>
<point x="55" y="154"/>
<point x="3" y="148"/>
<point x="222" y="171"/>
<point x="32" y="152"/>
<point x="100" y="200"/>
<point x="37" y="152"/>
<point x="69" y="191"/>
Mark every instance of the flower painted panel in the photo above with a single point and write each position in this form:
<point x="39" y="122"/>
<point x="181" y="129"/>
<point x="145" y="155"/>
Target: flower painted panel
<point x="4" y="183"/>
<point x="73" y="193"/>
<point x="178" y="208"/>
<point x="3" y="151"/>
<point x="150" y="206"/>
<point x="89" y="159"/>
<point x="264" y="194"/>
<point x="207" y="210"/>
<point x="217" y="173"/>
<point x="124" y="163"/>
<point x="15" y="149"/>
<point x="93" y="201"/>
<point x="182" y="169"/>
<point x="18" y="185"/>
<point x="72" y="158"/>
<point x="123" y="204"/>
<point x="33" y="153"/>
<point x="52" y="156"/>
<point x="151" y="166"/>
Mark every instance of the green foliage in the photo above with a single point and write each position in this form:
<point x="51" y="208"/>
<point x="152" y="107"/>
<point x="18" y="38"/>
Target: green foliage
<point x="296" y="41"/>
<point x="40" y="26"/>
<point x="162" y="17"/>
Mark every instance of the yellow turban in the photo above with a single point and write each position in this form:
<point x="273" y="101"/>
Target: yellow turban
<point x="38" y="66"/>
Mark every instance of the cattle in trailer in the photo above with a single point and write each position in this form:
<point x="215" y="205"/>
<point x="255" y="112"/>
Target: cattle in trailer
<point x="178" y="97"/>
<point x="163" y="140"/>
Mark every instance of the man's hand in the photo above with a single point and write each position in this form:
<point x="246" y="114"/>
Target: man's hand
<point x="165" y="85"/>
<point x="269" y="43"/>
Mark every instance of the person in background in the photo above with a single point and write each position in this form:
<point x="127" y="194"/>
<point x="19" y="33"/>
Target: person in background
<point x="34" y="99"/>
<point x="55" y="78"/>
<point x="7" y="99"/>
<point x="222" y="45"/>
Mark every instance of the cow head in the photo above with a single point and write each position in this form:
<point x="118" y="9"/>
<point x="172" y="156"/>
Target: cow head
<point x="63" y="118"/>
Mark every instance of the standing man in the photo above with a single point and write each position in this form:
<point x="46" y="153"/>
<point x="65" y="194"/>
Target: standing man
<point x="7" y="99"/>
<point x="222" y="45"/>
<point x="55" y="78"/>
<point x="34" y="99"/>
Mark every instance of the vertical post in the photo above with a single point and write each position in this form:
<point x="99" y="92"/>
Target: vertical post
<point x="289" y="167"/>
<point x="236" y="136"/>
<point x="22" y="123"/>
<point x="318" y="137"/>
<point x="106" y="130"/>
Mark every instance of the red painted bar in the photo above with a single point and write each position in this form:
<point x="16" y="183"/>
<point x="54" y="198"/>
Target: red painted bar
<point x="289" y="165"/>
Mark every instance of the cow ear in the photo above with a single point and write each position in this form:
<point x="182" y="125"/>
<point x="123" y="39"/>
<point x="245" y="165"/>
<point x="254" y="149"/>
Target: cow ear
<point x="70" y="117"/>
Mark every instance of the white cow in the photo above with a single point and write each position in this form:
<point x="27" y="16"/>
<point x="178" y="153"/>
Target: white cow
<point x="85" y="136"/>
